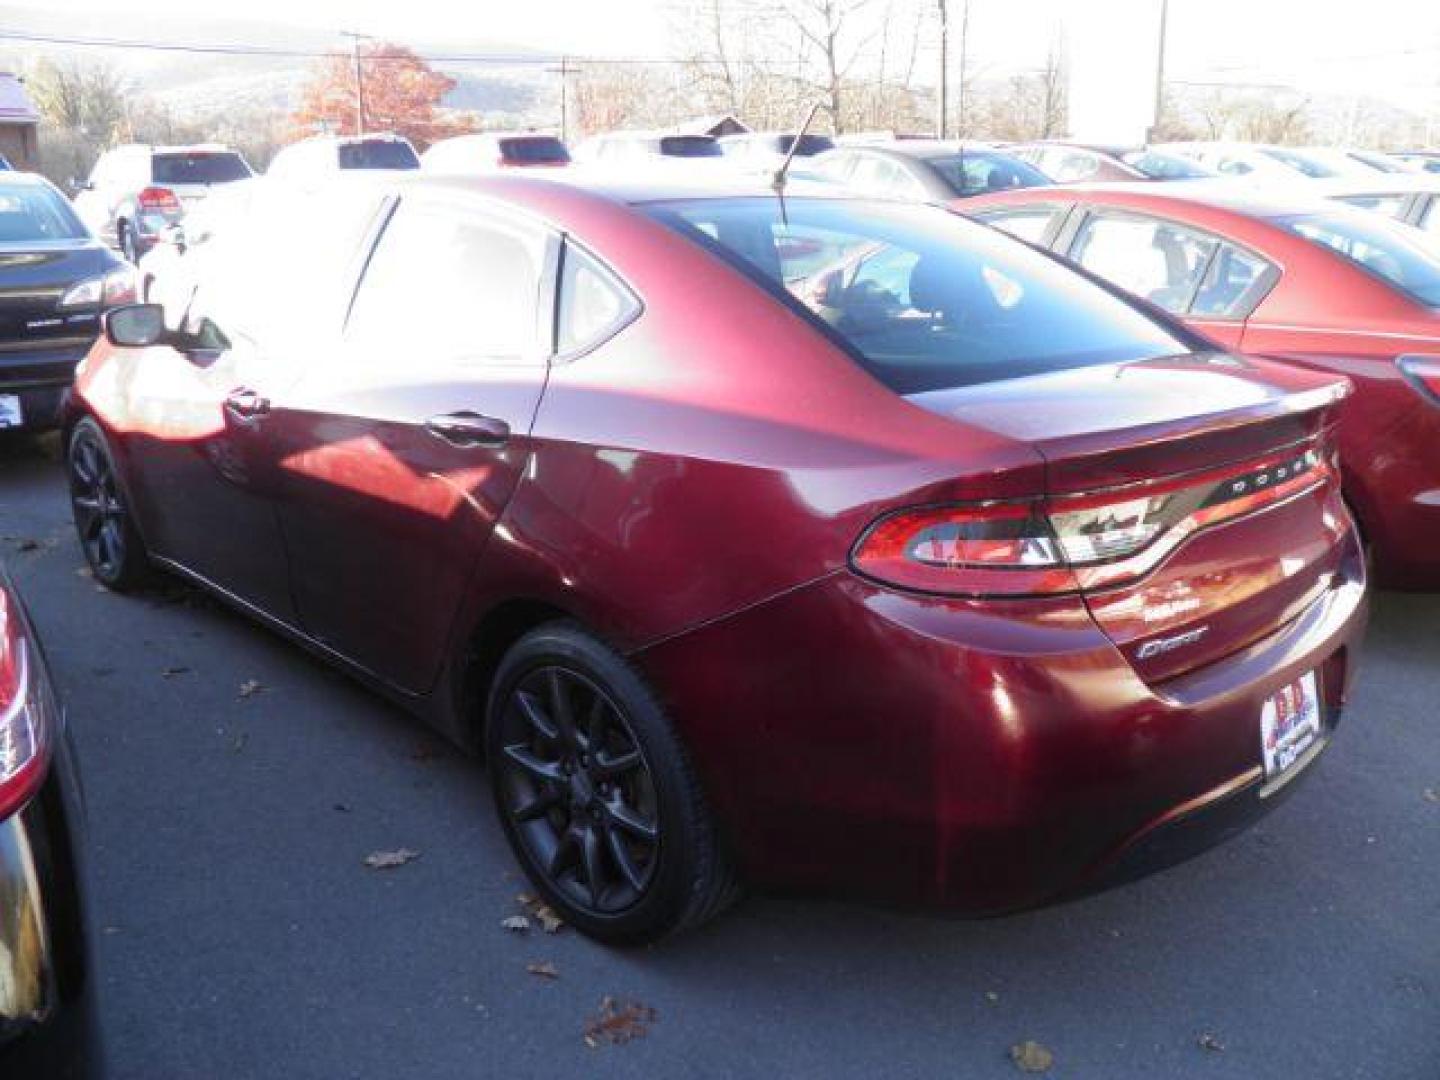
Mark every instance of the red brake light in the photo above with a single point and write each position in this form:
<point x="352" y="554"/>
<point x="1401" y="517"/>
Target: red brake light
<point x="1077" y="542"/>
<point x="22" y="732"/>
<point x="1423" y="373"/>
<point x="158" y="198"/>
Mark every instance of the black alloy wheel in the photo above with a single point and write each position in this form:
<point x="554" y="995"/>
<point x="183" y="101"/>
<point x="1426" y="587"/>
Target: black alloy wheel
<point x="107" y="536"/>
<point x="596" y="793"/>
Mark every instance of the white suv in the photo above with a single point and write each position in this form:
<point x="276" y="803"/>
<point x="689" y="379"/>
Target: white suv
<point x="136" y="191"/>
<point x="325" y="155"/>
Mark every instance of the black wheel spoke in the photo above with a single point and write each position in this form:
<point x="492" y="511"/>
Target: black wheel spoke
<point x="535" y="716"/>
<point x="562" y="858"/>
<point x="535" y="765"/>
<point x="627" y="819"/>
<point x="594" y="870"/>
<point x="537" y="805"/>
<point x="611" y="767"/>
<point x="623" y="860"/>
<point x="560" y="708"/>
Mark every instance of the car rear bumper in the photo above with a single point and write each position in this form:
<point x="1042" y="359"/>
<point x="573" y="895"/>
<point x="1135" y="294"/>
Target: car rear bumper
<point x="982" y="756"/>
<point x="40" y="377"/>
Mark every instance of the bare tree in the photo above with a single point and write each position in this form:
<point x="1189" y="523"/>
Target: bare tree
<point x="77" y="96"/>
<point x="829" y="27"/>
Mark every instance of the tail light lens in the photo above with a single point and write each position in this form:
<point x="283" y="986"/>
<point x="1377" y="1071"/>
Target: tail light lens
<point x="112" y="290"/>
<point x="23" y="747"/>
<point x="1423" y="373"/>
<point x="158" y="198"/>
<point x="1073" y="543"/>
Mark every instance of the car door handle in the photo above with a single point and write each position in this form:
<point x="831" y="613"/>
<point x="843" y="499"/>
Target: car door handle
<point x="466" y="428"/>
<point x="247" y="404"/>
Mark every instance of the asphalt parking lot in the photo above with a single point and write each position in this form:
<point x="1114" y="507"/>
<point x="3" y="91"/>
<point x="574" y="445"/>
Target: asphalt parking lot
<point x="235" y="788"/>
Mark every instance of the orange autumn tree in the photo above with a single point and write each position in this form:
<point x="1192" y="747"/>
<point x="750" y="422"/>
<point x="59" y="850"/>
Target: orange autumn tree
<point x="401" y="95"/>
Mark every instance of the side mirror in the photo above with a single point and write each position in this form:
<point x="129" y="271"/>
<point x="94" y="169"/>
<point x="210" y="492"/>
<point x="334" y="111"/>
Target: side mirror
<point x="136" y="325"/>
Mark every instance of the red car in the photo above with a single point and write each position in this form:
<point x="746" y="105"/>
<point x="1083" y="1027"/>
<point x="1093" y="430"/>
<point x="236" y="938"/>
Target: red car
<point x="817" y="543"/>
<point x="1322" y="286"/>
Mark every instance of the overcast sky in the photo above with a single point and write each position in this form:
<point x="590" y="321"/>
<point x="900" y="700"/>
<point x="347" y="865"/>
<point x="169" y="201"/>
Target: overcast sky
<point x="1387" y="47"/>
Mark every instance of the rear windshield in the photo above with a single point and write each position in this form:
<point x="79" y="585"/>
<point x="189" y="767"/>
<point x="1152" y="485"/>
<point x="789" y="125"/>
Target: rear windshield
<point x="810" y="145"/>
<point x="543" y="151"/>
<point x="35" y="212"/>
<point x="690" y="146"/>
<point x="976" y="171"/>
<point x="199" y="167"/>
<point x="1377" y="247"/>
<point x="378" y="154"/>
<point x="921" y="298"/>
<point x="1311" y="167"/>
<point x="1158" y="166"/>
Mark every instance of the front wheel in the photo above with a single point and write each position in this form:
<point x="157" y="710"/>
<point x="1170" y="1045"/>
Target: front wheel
<point x="107" y="532"/>
<point x="596" y="793"/>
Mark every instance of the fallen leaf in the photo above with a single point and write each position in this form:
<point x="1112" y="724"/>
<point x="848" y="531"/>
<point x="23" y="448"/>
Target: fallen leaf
<point x="27" y="544"/>
<point x="171" y="672"/>
<point x="250" y="687"/>
<point x="550" y="922"/>
<point x="388" y="860"/>
<point x="1432" y="794"/>
<point x="545" y="970"/>
<point x="344" y="808"/>
<point x="516" y="924"/>
<point x="618" y="1022"/>
<point x="991" y="996"/>
<point x="239" y="742"/>
<point x="1210" y="1041"/>
<point x="84" y="571"/>
<point x="1029" y="1056"/>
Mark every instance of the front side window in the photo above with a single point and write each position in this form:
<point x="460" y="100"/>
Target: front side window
<point x="593" y="304"/>
<point x="200" y="167"/>
<point x="919" y="297"/>
<point x="1030" y="224"/>
<point x="1149" y="257"/>
<point x="1075" y="166"/>
<point x="449" y="285"/>
<point x="1377" y="247"/>
<point x="884" y="179"/>
<point x="973" y="172"/>
<point x="1159" y="166"/>
<point x="1392" y="206"/>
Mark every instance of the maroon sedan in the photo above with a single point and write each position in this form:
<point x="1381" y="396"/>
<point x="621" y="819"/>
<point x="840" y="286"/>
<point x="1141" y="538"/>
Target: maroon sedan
<point x="821" y="543"/>
<point x="1322" y="286"/>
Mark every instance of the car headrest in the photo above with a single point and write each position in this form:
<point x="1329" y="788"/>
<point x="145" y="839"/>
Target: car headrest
<point x="949" y="286"/>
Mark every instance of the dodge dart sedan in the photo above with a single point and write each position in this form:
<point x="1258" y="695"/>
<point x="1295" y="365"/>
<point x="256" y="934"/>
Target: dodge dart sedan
<point x="1303" y="280"/>
<point x="812" y="542"/>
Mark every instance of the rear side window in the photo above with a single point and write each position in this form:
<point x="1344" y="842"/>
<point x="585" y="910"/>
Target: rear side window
<point x="1392" y="206"/>
<point x="593" y="304"/>
<point x="973" y="172"/>
<point x="689" y="146"/>
<point x="448" y="284"/>
<point x="884" y="179"/>
<point x="545" y="151"/>
<point x="1378" y="247"/>
<point x="1030" y="224"/>
<point x="1151" y="258"/>
<point x="1160" y="166"/>
<point x="201" y="167"/>
<point x="378" y="154"/>
<point x="1235" y="283"/>
<point x="919" y="297"/>
<point x="35" y="212"/>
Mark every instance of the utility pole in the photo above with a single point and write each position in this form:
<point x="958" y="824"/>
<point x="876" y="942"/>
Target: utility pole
<point x="1160" y="70"/>
<point x="942" y="109"/>
<point x="964" y="58"/>
<point x="359" y="78"/>
<point x="564" y="71"/>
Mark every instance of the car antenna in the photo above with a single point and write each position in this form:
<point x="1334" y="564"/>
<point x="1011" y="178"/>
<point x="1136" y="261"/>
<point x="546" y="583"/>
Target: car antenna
<point x="778" y="180"/>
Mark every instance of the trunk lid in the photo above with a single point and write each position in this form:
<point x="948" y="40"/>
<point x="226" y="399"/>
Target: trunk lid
<point x="33" y="278"/>
<point x="1194" y="496"/>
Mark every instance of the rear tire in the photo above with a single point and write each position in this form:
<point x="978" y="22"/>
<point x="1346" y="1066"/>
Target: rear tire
<point x="103" y="522"/>
<point x="596" y="793"/>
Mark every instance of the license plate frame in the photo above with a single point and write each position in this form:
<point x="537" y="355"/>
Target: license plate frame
<point x="1292" y="727"/>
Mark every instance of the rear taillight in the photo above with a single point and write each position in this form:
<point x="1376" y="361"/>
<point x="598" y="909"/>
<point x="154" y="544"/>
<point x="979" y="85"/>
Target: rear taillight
<point x="1077" y="542"/>
<point x="22" y="731"/>
<point x="1423" y="373"/>
<point x="112" y="290"/>
<point x="158" y="198"/>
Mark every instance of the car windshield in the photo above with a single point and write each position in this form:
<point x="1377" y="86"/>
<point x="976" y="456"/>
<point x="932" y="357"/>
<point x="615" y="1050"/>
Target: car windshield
<point x="919" y="297"/>
<point x="36" y="212"/>
<point x="690" y="146"/>
<point x="973" y="172"/>
<point x="378" y="154"/>
<point x="1158" y="166"/>
<point x="539" y="151"/>
<point x="1378" y="247"/>
<point x="1310" y="166"/>
<point x="198" y="167"/>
